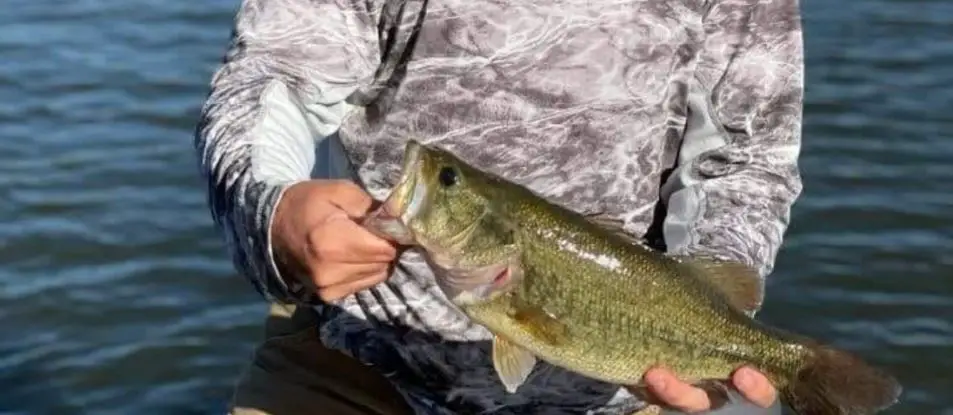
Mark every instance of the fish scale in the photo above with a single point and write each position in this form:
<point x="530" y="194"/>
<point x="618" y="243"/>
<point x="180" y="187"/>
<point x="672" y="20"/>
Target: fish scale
<point x="616" y="310"/>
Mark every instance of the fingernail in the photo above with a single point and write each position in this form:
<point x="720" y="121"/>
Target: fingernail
<point x="660" y="383"/>
<point x="744" y="379"/>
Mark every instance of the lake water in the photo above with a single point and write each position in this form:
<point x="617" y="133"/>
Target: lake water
<point x="117" y="296"/>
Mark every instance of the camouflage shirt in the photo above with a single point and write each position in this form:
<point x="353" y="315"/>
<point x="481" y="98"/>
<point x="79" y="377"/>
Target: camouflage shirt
<point x="680" y="117"/>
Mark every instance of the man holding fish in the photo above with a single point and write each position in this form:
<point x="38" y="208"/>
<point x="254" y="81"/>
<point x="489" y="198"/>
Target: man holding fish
<point x="678" y="121"/>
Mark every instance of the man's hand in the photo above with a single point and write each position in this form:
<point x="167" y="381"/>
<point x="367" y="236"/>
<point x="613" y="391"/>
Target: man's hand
<point x="316" y="235"/>
<point x="668" y="391"/>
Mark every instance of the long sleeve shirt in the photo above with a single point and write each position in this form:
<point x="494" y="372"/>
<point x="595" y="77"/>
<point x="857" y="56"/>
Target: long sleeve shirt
<point x="681" y="118"/>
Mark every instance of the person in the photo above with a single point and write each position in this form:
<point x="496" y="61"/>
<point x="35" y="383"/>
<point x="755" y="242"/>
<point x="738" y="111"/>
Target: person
<point x="681" y="118"/>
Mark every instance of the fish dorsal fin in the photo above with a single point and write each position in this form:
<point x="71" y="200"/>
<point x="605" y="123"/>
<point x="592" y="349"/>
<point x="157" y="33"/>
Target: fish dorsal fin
<point x="740" y="283"/>
<point x="513" y="364"/>
<point x="614" y="226"/>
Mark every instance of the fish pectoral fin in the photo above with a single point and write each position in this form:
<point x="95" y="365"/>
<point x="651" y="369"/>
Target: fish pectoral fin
<point x="739" y="282"/>
<point x="513" y="363"/>
<point x="540" y="324"/>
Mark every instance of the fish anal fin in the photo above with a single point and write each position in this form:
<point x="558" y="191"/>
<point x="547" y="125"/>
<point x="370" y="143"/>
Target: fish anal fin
<point x="512" y="363"/>
<point x="717" y="391"/>
<point x="740" y="283"/>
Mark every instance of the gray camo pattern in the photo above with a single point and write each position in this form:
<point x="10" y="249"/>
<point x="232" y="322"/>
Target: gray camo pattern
<point x="583" y="101"/>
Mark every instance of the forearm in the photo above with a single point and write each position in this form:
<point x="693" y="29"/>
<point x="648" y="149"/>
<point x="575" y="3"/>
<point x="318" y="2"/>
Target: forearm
<point x="247" y="170"/>
<point x="737" y="177"/>
<point x="280" y="90"/>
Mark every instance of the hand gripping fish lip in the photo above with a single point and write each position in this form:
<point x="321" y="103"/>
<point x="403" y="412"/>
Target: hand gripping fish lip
<point x="404" y="202"/>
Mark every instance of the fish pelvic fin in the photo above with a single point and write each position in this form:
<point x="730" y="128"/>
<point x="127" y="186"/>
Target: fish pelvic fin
<point x="512" y="363"/>
<point x="740" y="283"/>
<point x="835" y="382"/>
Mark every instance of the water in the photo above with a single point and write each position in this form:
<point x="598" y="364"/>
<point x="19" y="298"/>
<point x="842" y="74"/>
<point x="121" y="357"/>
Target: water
<point x="117" y="297"/>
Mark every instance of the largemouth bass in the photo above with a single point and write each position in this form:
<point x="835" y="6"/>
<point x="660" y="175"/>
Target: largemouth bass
<point x="578" y="292"/>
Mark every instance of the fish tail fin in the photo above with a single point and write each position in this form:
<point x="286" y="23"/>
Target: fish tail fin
<point x="835" y="382"/>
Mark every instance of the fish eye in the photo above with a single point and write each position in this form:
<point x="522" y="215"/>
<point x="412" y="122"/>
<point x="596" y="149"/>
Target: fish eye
<point x="448" y="176"/>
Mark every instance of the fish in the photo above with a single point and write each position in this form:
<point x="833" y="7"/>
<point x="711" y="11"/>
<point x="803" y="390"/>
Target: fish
<point x="577" y="291"/>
